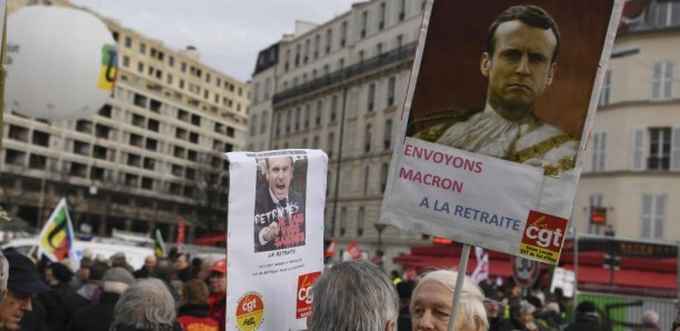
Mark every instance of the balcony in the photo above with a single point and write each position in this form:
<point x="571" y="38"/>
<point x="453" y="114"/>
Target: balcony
<point x="404" y="53"/>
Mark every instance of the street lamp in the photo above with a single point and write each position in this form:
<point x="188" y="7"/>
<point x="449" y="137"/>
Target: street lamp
<point x="380" y="228"/>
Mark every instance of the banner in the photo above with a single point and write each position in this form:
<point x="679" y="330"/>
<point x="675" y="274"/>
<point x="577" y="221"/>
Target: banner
<point x="275" y="237"/>
<point x="493" y="132"/>
<point x="56" y="239"/>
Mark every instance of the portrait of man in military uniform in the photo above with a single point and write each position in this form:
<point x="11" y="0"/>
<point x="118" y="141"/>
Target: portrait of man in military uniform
<point x="279" y="210"/>
<point x="519" y="65"/>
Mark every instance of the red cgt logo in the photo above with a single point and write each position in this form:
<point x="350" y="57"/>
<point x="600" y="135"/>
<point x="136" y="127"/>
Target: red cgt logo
<point x="544" y="231"/>
<point x="304" y="296"/>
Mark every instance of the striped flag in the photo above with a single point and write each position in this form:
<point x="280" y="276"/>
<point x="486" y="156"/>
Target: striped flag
<point x="56" y="238"/>
<point x="158" y="244"/>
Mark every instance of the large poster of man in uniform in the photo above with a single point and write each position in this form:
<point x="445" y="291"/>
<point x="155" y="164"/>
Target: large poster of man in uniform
<point x="518" y="88"/>
<point x="280" y="203"/>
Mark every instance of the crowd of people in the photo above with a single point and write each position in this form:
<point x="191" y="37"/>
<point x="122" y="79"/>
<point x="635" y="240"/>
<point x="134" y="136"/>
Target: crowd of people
<point x="181" y="293"/>
<point x="173" y="293"/>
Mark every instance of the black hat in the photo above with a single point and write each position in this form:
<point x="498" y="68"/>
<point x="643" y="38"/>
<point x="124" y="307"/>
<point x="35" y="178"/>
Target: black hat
<point x="61" y="272"/>
<point x="23" y="276"/>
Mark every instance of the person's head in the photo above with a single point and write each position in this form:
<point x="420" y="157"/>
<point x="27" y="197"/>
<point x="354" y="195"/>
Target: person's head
<point x="354" y="295"/>
<point x="650" y="319"/>
<point x="146" y="305"/>
<point x="195" y="292"/>
<point x="57" y="274"/>
<point x="23" y="282"/>
<point x="586" y="310"/>
<point x="98" y="270"/>
<point x="117" y="280"/>
<point x="279" y="174"/>
<point x="85" y="269"/>
<point x="165" y="270"/>
<point x="150" y="262"/>
<point x="182" y="261"/>
<point x="218" y="277"/>
<point x="119" y="260"/>
<point x="526" y="312"/>
<point x="432" y="301"/>
<point x="521" y="58"/>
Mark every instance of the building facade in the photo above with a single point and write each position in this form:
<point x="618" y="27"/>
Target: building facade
<point x="338" y="86"/>
<point x="151" y="157"/>
<point x="632" y="168"/>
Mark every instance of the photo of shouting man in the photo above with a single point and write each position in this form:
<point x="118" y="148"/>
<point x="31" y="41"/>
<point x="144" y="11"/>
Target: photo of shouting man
<point x="279" y="210"/>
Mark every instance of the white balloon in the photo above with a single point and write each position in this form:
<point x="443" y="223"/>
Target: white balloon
<point x="61" y="63"/>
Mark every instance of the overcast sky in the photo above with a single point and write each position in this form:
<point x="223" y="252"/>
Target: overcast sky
<point x="227" y="33"/>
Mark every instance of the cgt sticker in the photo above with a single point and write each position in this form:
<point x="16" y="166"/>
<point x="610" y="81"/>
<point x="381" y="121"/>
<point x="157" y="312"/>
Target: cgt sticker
<point x="304" y="296"/>
<point x="249" y="311"/>
<point x="543" y="237"/>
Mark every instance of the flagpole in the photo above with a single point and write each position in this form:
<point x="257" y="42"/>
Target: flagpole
<point x="462" y="269"/>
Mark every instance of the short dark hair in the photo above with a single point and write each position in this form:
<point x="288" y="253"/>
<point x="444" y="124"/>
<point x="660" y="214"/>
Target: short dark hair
<point x="266" y="163"/>
<point x="530" y="15"/>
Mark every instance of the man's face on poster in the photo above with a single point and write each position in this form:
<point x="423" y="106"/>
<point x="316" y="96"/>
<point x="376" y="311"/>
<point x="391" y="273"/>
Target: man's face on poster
<point x="279" y="175"/>
<point x="521" y="66"/>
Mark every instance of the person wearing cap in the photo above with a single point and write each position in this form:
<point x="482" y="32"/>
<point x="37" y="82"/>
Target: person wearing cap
<point x="100" y="316"/>
<point x="218" y="292"/>
<point x="586" y="318"/>
<point x="23" y="282"/>
<point x="194" y="314"/>
<point x="120" y="260"/>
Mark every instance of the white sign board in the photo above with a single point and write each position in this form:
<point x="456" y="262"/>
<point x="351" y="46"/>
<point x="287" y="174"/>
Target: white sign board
<point x="493" y="139"/>
<point x="564" y="279"/>
<point x="275" y="237"/>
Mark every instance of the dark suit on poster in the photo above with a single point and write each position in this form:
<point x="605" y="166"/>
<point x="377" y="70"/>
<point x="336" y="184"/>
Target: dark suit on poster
<point x="288" y="213"/>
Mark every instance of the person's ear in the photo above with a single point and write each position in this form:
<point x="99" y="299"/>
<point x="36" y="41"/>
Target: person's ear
<point x="485" y="64"/>
<point x="551" y="74"/>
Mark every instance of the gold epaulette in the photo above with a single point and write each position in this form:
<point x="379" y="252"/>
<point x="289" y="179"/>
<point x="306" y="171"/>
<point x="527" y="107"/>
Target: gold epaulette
<point x="540" y="148"/>
<point x="430" y="128"/>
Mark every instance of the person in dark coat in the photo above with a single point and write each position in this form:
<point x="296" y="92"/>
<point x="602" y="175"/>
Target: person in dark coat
<point x="99" y="317"/>
<point x="19" y="310"/>
<point x="194" y="314"/>
<point x="586" y="318"/>
<point x="62" y="301"/>
<point x="148" y="268"/>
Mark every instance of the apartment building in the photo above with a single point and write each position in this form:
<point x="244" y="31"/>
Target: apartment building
<point x="632" y="169"/>
<point x="338" y="86"/>
<point x="151" y="157"/>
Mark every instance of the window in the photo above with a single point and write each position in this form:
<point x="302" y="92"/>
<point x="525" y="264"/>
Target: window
<point x="142" y="48"/>
<point x="298" y="114"/>
<point x="317" y="46"/>
<point x="330" y="144"/>
<point x="361" y="214"/>
<point x="666" y="13"/>
<point x="329" y="40"/>
<point x="379" y="49"/>
<point x="381" y="23"/>
<point x="128" y="42"/>
<point x="289" y="120"/>
<point x="400" y="40"/>
<point x="605" y="94"/>
<point x="306" y="58"/>
<point x="659" y="149"/>
<point x="387" y="138"/>
<point x="599" y="151"/>
<point x="371" y="97"/>
<point x="391" y="87"/>
<point x="126" y="61"/>
<point x="662" y="80"/>
<point x="402" y="10"/>
<point x="343" y="34"/>
<point x="343" y="221"/>
<point x="334" y="108"/>
<point x="315" y="142"/>
<point x="367" y="138"/>
<point x="263" y="122"/>
<point x="41" y="138"/>
<point x="383" y="176"/>
<point x="367" y="176"/>
<point x="364" y="23"/>
<point x="652" y="214"/>
<point x="256" y="93"/>
<point x="307" y="116"/>
<point x="36" y="161"/>
<point x="253" y="125"/>
<point x="638" y="149"/>
<point x="595" y="201"/>
<point x="140" y="67"/>
<point x="319" y="109"/>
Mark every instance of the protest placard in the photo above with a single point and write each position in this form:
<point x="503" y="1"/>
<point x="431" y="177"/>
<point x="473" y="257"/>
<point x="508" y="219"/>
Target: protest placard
<point x="496" y="120"/>
<point x="275" y="237"/>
